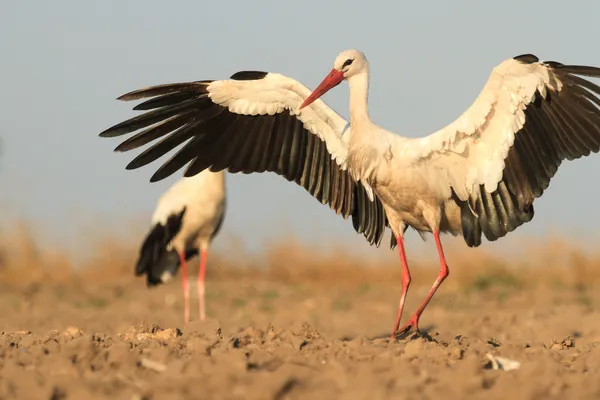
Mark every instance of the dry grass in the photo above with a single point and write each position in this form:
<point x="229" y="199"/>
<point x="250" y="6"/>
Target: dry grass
<point x="553" y="263"/>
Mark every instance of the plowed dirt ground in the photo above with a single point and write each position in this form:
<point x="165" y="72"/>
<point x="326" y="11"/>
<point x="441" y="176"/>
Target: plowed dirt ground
<point x="266" y="339"/>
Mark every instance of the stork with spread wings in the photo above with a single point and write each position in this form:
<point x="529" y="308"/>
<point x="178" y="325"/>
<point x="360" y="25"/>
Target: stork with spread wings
<point x="477" y="176"/>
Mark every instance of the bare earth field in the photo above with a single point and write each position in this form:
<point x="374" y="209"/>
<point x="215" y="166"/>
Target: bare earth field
<point x="295" y="330"/>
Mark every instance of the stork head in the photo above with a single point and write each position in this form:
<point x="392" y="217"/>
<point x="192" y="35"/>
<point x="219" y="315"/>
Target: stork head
<point x="347" y="64"/>
<point x="350" y="63"/>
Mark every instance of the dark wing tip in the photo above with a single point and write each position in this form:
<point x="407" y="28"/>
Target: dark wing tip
<point x="113" y="131"/>
<point x="527" y="58"/>
<point x="116" y="130"/>
<point x="151" y="91"/>
<point x="144" y="92"/>
<point x="553" y="64"/>
<point x="131" y="166"/>
<point x="584" y="70"/>
<point x="133" y="95"/>
<point x="123" y="147"/>
<point x="158" y="176"/>
<point x="248" y="75"/>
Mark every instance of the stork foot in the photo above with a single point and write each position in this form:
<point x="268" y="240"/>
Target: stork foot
<point x="413" y="323"/>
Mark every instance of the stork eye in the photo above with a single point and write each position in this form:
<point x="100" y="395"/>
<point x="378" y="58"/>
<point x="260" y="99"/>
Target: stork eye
<point x="347" y="62"/>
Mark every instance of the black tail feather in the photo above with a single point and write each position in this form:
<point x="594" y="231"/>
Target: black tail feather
<point x="154" y="259"/>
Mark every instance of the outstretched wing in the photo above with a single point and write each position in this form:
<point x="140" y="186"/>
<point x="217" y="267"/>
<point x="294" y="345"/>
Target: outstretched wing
<point x="251" y="123"/>
<point x="503" y="151"/>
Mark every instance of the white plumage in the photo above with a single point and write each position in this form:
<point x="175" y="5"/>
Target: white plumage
<point x="484" y="134"/>
<point x="477" y="176"/>
<point x="187" y="218"/>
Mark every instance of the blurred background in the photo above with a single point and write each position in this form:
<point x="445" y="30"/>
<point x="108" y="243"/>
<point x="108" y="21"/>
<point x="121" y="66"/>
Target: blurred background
<point x="66" y="200"/>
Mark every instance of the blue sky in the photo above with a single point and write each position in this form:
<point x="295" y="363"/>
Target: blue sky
<point x="65" y="62"/>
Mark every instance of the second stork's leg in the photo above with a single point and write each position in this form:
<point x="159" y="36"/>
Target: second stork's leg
<point x="405" y="282"/>
<point x="413" y="322"/>
<point x="186" y="289"/>
<point x="201" y="275"/>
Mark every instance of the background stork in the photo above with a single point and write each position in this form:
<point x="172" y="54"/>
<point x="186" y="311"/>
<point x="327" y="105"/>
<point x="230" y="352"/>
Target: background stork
<point x="478" y="175"/>
<point x="187" y="218"/>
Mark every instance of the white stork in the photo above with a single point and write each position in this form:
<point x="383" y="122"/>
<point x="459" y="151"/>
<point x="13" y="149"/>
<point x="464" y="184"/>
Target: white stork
<point x="480" y="174"/>
<point x="187" y="218"/>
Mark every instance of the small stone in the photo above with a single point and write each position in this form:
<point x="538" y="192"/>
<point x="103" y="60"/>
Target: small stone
<point x="167" y="334"/>
<point x="72" y="332"/>
<point x="27" y="341"/>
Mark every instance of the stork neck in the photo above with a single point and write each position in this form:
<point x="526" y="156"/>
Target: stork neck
<point x="359" y="90"/>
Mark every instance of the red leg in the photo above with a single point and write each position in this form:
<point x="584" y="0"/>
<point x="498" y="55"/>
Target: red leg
<point x="186" y="289"/>
<point x="444" y="272"/>
<point x="201" y="274"/>
<point x="405" y="282"/>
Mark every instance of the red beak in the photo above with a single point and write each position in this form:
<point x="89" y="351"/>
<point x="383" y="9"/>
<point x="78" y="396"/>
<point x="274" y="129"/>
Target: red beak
<point x="332" y="80"/>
